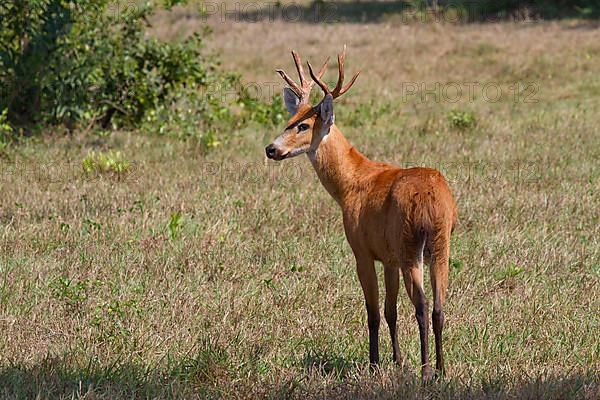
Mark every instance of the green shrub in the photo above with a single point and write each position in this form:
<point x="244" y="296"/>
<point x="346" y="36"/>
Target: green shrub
<point x="175" y="224"/>
<point x="195" y="111"/>
<point x="272" y="113"/>
<point x="5" y="131"/>
<point x="77" y="63"/>
<point x="462" y="119"/>
<point x="72" y="293"/>
<point x="112" y="162"/>
<point x="367" y="113"/>
<point x="71" y="62"/>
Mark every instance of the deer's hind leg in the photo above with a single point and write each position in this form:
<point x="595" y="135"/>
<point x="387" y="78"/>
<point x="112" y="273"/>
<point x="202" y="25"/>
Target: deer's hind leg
<point x="438" y="272"/>
<point x="412" y="272"/>
<point x="392" y="281"/>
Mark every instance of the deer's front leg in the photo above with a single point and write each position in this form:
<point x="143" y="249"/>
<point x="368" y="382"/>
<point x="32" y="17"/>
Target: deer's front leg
<point x="368" y="280"/>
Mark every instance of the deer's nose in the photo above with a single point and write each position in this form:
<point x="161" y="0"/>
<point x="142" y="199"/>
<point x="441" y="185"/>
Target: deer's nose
<point x="270" y="150"/>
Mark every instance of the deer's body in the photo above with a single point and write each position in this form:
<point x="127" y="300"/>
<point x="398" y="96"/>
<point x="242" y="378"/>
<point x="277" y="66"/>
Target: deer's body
<point x="382" y="205"/>
<point x="401" y="217"/>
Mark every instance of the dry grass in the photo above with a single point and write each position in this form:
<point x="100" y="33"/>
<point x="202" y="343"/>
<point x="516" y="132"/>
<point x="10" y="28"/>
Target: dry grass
<point x="217" y="275"/>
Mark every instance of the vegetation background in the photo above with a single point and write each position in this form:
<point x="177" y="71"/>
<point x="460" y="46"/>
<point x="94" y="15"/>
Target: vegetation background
<point x="147" y="249"/>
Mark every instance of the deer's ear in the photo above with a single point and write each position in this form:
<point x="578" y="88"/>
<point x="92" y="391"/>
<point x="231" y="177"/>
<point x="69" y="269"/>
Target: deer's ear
<point x="326" y="113"/>
<point x="291" y="101"/>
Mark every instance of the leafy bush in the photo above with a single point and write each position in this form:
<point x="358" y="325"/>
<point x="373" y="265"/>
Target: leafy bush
<point x="112" y="162"/>
<point x="195" y="111"/>
<point x="367" y="113"/>
<point x="273" y="113"/>
<point x="462" y="119"/>
<point x="76" y="63"/>
<point x="174" y="224"/>
<point x="5" y="131"/>
<point x="70" y="62"/>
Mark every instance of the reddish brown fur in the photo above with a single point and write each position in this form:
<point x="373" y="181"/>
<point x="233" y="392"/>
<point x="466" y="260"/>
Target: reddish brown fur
<point x="398" y="216"/>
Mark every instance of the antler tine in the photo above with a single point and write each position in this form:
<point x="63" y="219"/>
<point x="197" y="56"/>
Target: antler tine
<point x="293" y="85"/>
<point x="298" y="62"/>
<point x="349" y="85"/>
<point x="318" y="78"/>
<point x="303" y="90"/>
<point x="321" y="72"/>
<point x="338" y="88"/>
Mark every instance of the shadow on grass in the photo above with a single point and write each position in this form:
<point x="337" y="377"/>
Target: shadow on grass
<point x="52" y="380"/>
<point x="409" y="11"/>
<point x="326" y="376"/>
<point x="406" y="385"/>
<point x="57" y="378"/>
<point x="348" y="379"/>
<point x="323" y="363"/>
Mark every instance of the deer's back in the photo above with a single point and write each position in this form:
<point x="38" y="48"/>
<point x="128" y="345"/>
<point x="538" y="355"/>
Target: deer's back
<point x="395" y="208"/>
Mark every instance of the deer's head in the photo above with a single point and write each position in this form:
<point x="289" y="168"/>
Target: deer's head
<point x="308" y="125"/>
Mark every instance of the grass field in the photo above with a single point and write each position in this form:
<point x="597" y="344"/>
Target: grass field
<point x="196" y="274"/>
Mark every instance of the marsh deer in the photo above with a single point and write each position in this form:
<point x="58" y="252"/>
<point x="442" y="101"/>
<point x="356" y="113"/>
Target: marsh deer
<point x="400" y="217"/>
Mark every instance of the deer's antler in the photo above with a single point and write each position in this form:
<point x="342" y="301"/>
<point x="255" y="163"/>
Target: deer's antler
<point x="306" y="85"/>
<point x="339" y="88"/>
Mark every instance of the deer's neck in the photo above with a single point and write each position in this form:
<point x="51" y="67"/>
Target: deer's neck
<point x="338" y="165"/>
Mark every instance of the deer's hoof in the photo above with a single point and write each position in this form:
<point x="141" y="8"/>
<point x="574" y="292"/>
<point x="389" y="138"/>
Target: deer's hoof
<point x="426" y="375"/>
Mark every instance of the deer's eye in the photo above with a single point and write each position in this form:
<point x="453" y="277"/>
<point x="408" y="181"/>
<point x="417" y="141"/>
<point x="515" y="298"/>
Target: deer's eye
<point x="303" y="127"/>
